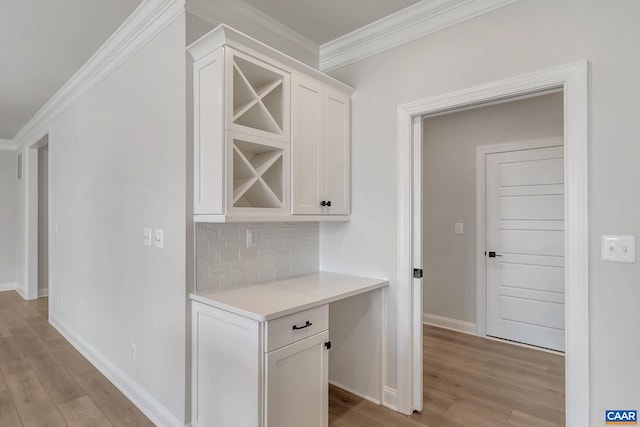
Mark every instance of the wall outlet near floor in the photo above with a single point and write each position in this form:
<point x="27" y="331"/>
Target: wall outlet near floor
<point x="133" y="352"/>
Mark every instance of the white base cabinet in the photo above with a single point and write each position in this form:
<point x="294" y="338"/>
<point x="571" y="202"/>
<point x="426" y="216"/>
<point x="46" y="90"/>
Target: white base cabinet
<point x="297" y="383"/>
<point x="250" y="373"/>
<point x="227" y="369"/>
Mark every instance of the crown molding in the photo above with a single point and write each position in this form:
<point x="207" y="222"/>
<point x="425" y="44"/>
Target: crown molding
<point x="146" y="22"/>
<point x="255" y="23"/>
<point x="7" y="145"/>
<point x="418" y="20"/>
<point x="223" y="35"/>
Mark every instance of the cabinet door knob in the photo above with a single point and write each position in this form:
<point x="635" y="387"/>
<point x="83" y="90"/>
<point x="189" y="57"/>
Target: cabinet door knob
<point x="329" y="203"/>
<point x="323" y="203"/>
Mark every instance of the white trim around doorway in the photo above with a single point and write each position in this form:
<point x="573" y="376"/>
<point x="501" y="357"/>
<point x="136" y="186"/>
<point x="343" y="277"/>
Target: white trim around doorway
<point x="30" y="171"/>
<point x="572" y="79"/>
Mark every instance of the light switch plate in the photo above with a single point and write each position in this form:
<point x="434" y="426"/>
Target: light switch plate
<point x="158" y="239"/>
<point x="459" y="228"/>
<point x="617" y="248"/>
<point x="146" y="240"/>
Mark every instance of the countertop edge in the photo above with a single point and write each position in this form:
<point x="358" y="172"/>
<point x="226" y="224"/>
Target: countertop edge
<point x="277" y="314"/>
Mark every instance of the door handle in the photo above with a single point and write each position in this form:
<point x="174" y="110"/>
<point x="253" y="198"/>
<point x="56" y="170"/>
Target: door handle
<point x="493" y="254"/>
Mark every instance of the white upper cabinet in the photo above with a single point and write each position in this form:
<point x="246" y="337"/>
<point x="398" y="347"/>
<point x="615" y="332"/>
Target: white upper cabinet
<point x="336" y="152"/>
<point x="321" y="146"/>
<point x="258" y="101"/>
<point x="208" y="134"/>
<point x="243" y="139"/>
<point x="307" y="134"/>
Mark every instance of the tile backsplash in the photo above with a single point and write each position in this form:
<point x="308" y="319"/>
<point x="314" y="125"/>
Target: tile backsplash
<point x="281" y="250"/>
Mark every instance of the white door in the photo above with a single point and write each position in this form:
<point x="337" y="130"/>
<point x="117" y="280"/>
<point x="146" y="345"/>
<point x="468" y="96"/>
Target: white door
<point x="525" y="230"/>
<point x="297" y="384"/>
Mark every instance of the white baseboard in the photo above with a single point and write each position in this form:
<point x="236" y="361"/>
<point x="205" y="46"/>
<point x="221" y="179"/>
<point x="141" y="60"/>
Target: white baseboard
<point x="43" y="292"/>
<point x="448" y="323"/>
<point x="357" y="393"/>
<point x="9" y="286"/>
<point x="390" y="398"/>
<point x="140" y="397"/>
<point x="524" y="345"/>
<point x="21" y="291"/>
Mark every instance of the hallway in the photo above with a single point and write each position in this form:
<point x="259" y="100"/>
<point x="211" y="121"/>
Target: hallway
<point x="468" y="381"/>
<point x="45" y="381"/>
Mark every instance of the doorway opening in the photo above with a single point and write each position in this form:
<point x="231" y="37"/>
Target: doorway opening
<point x="493" y="182"/>
<point x="572" y="80"/>
<point x="493" y="213"/>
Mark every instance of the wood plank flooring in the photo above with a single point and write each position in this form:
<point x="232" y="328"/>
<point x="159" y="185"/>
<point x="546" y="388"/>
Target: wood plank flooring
<point x="44" y="381"/>
<point x="470" y="382"/>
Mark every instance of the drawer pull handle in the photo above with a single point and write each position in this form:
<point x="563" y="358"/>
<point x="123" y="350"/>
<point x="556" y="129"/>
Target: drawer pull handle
<point x="306" y="325"/>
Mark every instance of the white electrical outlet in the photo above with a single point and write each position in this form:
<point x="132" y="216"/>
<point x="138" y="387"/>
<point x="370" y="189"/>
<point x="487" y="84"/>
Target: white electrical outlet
<point x="252" y="238"/>
<point x="133" y="352"/>
<point x="619" y="249"/>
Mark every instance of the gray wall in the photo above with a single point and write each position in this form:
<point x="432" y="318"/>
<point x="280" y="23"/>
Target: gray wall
<point x="449" y="185"/>
<point x="523" y="37"/>
<point x="118" y="165"/>
<point x="8" y="205"/>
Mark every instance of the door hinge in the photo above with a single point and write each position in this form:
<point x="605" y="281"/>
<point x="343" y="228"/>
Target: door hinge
<point x="328" y="345"/>
<point x="417" y="273"/>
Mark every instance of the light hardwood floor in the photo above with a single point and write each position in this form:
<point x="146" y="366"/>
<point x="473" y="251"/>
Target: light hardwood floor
<point x="44" y="381"/>
<point x="470" y="382"/>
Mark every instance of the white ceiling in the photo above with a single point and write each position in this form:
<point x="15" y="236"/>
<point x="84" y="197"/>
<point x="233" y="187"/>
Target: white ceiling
<point x="42" y="44"/>
<point x="324" y="20"/>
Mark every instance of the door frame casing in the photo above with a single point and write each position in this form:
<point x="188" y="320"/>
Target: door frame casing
<point x="572" y="79"/>
<point x="30" y="172"/>
<point x="481" y="216"/>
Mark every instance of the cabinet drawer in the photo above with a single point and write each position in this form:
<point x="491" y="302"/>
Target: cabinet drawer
<point x="281" y="332"/>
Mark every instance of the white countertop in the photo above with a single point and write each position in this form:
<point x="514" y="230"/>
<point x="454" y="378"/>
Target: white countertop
<point x="270" y="300"/>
